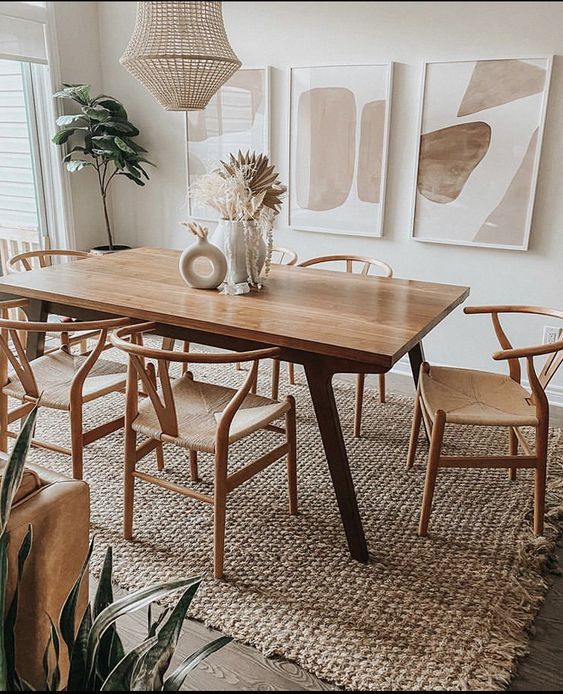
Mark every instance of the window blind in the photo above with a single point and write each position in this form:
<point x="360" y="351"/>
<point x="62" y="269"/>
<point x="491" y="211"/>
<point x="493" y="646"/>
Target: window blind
<point x="22" y="31"/>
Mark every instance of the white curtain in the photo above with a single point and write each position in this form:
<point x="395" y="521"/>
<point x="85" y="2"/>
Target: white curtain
<point x="22" y="31"/>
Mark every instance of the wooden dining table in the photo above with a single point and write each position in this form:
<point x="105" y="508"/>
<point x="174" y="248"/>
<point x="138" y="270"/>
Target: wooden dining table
<point x="329" y="322"/>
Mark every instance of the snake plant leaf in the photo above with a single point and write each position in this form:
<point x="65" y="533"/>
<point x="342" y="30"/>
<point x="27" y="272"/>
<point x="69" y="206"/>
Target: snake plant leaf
<point x="128" y="603"/>
<point x="110" y="647"/>
<point x="77" y="672"/>
<point x="3" y="581"/>
<point x="67" y="619"/>
<point x="46" y="663"/>
<point x="153" y="625"/>
<point x="12" y="615"/>
<point x="119" y="679"/>
<point x="56" y="676"/>
<point x="14" y="469"/>
<point x="177" y="678"/>
<point x="154" y="664"/>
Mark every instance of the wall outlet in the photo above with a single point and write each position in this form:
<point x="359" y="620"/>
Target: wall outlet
<point x="551" y="334"/>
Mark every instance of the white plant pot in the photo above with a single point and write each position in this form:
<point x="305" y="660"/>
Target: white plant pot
<point x="230" y="238"/>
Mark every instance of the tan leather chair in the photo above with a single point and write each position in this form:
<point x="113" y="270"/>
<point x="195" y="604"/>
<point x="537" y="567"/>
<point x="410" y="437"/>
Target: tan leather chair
<point x="58" y="509"/>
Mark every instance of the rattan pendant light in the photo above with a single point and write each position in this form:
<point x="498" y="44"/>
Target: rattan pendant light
<point x="180" y="52"/>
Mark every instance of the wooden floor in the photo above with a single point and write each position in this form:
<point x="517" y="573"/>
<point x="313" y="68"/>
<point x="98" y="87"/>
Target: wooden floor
<point x="241" y="668"/>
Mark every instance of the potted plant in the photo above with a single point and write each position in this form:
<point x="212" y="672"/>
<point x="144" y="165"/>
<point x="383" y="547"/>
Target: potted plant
<point x="98" y="661"/>
<point x="247" y="194"/>
<point x="100" y="137"/>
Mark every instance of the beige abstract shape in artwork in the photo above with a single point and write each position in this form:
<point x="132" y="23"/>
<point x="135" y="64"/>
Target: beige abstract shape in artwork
<point x="325" y="147"/>
<point x="497" y="82"/>
<point x="370" y="160"/>
<point x="233" y="109"/>
<point x="506" y="225"/>
<point x="448" y="157"/>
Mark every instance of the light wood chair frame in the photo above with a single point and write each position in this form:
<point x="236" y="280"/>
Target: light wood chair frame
<point x="12" y="331"/>
<point x="535" y="459"/>
<point x="366" y="265"/>
<point x="43" y="257"/>
<point x="164" y="406"/>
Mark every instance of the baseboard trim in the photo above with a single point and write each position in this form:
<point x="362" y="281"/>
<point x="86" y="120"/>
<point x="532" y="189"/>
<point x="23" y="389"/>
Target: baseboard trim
<point x="554" y="393"/>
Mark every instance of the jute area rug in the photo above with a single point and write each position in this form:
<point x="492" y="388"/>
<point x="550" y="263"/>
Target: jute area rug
<point x="447" y="612"/>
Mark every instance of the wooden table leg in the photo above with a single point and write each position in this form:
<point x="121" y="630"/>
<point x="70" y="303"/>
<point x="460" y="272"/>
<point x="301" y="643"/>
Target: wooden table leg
<point x="36" y="312"/>
<point x="416" y="357"/>
<point x="319" y="378"/>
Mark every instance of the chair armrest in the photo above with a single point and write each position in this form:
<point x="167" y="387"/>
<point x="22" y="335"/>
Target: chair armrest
<point x="534" y="351"/>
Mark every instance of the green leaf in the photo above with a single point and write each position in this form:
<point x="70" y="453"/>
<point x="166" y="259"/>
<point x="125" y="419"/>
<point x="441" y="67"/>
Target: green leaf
<point x="77" y="165"/>
<point x="129" y="603"/>
<point x="56" y="676"/>
<point x="117" y="127"/>
<point x="110" y="648"/>
<point x="113" y="105"/>
<point x="63" y="121"/>
<point x="60" y="137"/>
<point x="77" y="92"/>
<point x="119" y="679"/>
<point x="3" y="581"/>
<point x="78" y="673"/>
<point x="67" y="619"/>
<point x="146" y="161"/>
<point x="153" y="665"/>
<point x="131" y="178"/>
<point x="124" y="146"/>
<point x="13" y="472"/>
<point x="97" y="113"/>
<point x="11" y="617"/>
<point x="176" y="679"/>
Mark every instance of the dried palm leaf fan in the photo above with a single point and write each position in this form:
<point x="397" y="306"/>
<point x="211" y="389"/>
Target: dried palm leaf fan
<point x="180" y="52"/>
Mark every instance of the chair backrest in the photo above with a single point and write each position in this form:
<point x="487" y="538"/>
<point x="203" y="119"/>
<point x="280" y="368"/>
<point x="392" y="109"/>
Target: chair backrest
<point x="553" y="351"/>
<point x="353" y="263"/>
<point x="14" y="332"/>
<point x="17" y="241"/>
<point x="162" y="398"/>
<point x="23" y="262"/>
<point x="283" y="256"/>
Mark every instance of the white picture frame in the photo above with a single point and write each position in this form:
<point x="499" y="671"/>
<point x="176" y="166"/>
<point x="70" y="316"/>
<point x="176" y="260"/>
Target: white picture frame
<point x="260" y="140"/>
<point x="355" y="227"/>
<point x="485" y="115"/>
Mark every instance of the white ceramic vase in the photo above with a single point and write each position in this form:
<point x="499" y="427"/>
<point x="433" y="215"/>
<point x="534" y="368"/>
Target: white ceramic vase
<point x="203" y="265"/>
<point x="231" y="239"/>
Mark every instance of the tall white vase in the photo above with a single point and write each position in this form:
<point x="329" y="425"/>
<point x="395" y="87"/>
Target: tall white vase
<point x="230" y="238"/>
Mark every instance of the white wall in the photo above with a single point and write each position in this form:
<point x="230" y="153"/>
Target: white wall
<point x="281" y="34"/>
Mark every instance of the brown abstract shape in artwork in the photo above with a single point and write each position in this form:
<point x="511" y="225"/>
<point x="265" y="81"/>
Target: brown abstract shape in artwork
<point x="506" y="225"/>
<point x="497" y="82"/>
<point x="448" y="157"/>
<point x="325" y="147"/>
<point x="370" y="161"/>
<point x="215" y="120"/>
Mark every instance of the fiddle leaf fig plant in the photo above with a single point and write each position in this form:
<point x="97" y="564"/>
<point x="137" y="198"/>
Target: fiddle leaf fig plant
<point x="101" y="137"/>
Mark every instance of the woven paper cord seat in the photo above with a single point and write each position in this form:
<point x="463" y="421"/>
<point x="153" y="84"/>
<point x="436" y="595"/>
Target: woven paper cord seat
<point x="476" y="397"/>
<point x="54" y="373"/>
<point x="198" y="408"/>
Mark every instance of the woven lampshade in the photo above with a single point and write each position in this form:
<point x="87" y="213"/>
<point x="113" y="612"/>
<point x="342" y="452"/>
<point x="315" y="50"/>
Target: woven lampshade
<point x="180" y="52"/>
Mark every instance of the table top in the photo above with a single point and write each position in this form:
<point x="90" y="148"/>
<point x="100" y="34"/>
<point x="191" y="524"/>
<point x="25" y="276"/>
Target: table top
<point x="369" y="319"/>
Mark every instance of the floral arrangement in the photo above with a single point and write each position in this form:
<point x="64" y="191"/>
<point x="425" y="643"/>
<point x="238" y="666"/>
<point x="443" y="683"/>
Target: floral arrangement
<point x="245" y="189"/>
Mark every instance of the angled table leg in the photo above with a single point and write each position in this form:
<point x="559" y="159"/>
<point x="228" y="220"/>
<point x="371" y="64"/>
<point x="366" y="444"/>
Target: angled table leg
<point x="36" y="312"/>
<point x="416" y="358"/>
<point x="319" y="378"/>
